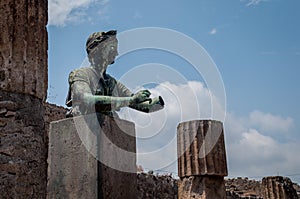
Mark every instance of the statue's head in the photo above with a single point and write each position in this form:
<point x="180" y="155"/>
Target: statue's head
<point x="101" y="48"/>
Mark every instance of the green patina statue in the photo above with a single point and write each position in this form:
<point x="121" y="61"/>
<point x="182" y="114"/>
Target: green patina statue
<point x="92" y="90"/>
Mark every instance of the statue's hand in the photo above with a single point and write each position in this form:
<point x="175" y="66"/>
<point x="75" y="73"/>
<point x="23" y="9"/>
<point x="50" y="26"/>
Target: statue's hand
<point x="141" y="96"/>
<point x="156" y="104"/>
<point x="158" y="101"/>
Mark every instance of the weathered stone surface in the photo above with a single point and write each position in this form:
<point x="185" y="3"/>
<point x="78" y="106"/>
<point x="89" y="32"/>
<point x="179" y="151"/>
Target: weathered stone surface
<point x="240" y="188"/>
<point x="201" y="148"/>
<point x="53" y="113"/>
<point x="2" y="123"/>
<point x="278" y="187"/>
<point x="10" y="114"/>
<point x="22" y="147"/>
<point x="23" y="87"/>
<point x="156" y="186"/>
<point x="297" y="188"/>
<point x="202" y="160"/>
<point x="202" y="187"/>
<point x="73" y="170"/>
<point x="162" y="186"/>
<point x="8" y="105"/>
<point x="23" y="47"/>
<point x="3" y="111"/>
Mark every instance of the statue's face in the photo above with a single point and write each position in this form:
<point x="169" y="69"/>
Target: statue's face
<point x="105" y="53"/>
<point x="110" y="50"/>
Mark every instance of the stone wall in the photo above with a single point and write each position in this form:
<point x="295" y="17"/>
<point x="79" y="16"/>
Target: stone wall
<point x="23" y="90"/>
<point x="164" y="186"/>
<point x="53" y="113"/>
<point x="22" y="146"/>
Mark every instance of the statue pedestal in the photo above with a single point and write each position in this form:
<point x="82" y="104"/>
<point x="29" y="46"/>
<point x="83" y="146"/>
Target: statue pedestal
<point x="201" y="160"/>
<point x="91" y="160"/>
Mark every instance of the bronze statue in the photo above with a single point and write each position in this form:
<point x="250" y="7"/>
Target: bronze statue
<point x="92" y="90"/>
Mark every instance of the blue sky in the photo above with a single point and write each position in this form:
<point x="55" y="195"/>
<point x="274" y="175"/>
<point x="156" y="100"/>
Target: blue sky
<point x="255" y="45"/>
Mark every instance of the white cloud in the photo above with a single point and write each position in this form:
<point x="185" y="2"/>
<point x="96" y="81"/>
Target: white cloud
<point x="265" y="122"/>
<point x="64" y="11"/>
<point x="213" y="31"/>
<point x="255" y="2"/>
<point x="269" y="122"/>
<point x="260" y="155"/>
<point x="253" y="151"/>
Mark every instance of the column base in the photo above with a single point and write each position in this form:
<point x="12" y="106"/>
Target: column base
<point x="202" y="187"/>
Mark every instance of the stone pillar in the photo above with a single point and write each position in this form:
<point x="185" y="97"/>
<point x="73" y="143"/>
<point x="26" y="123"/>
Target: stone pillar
<point x="75" y="145"/>
<point x="23" y="47"/>
<point x="278" y="187"/>
<point x="23" y="89"/>
<point x="201" y="160"/>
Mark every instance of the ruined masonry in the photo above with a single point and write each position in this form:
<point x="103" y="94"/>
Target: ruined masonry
<point x="23" y="90"/>
<point x="278" y="187"/>
<point x="201" y="160"/>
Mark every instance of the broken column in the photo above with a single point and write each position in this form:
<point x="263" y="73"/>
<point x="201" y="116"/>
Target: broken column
<point x="278" y="187"/>
<point x="201" y="160"/>
<point x="23" y="90"/>
<point x="91" y="157"/>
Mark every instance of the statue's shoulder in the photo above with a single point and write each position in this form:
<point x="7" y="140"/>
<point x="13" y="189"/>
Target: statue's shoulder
<point x="81" y="74"/>
<point x="82" y="71"/>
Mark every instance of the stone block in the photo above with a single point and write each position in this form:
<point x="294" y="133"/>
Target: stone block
<point x="92" y="157"/>
<point x="23" y="151"/>
<point x="201" y="148"/>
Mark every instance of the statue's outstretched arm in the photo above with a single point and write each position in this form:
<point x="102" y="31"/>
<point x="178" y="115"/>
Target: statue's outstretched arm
<point x="140" y="101"/>
<point x="106" y="103"/>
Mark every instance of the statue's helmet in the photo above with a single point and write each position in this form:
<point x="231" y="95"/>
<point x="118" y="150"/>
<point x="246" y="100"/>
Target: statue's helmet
<point x="95" y="39"/>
